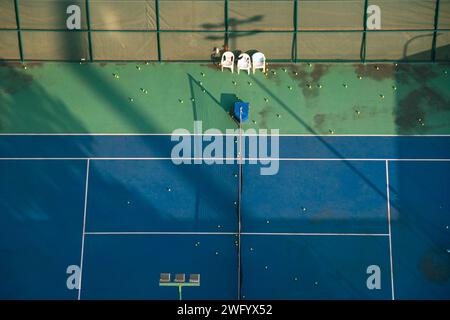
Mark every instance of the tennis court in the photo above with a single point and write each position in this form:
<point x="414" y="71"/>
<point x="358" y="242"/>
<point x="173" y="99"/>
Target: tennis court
<point x="119" y="207"/>
<point x="93" y="204"/>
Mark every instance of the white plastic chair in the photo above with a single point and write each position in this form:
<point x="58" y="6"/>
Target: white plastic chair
<point x="258" y="61"/>
<point x="244" y="63"/>
<point x="227" y="60"/>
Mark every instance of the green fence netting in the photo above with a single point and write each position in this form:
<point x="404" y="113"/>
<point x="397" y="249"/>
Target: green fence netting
<point x="188" y="30"/>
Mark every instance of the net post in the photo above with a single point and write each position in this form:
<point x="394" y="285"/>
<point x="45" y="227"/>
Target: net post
<point x="158" y="29"/>
<point x="19" y="32"/>
<point x="88" y="23"/>
<point x="435" y="31"/>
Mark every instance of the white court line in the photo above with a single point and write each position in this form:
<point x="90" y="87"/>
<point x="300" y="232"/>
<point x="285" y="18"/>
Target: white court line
<point x="224" y="159"/>
<point x="156" y="233"/>
<point x="329" y="234"/>
<point x="84" y="229"/>
<point x="162" y="233"/>
<point x="390" y="232"/>
<point x="223" y="134"/>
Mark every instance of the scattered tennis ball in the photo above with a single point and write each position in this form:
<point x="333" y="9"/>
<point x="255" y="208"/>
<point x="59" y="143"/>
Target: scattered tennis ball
<point x="138" y="67"/>
<point x="319" y="86"/>
<point x="345" y="85"/>
<point x="382" y="96"/>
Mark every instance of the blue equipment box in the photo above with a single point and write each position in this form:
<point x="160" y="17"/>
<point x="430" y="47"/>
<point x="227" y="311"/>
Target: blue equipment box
<point x="245" y="110"/>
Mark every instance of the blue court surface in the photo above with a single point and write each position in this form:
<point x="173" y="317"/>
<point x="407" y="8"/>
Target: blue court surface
<point x="119" y="209"/>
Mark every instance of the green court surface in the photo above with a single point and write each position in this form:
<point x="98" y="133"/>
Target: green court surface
<point x="161" y="97"/>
